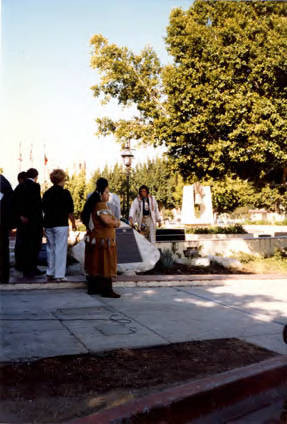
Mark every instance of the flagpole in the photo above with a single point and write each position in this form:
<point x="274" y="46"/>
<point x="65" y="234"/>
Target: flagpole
<point x="31" y="155"/>
<point x="20" y="159"/>
<point x="45" y="167"/>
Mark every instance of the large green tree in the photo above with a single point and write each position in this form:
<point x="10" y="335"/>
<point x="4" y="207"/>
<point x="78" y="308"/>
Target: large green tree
<point x="220" y="107"/>
<point x="77" y="185"/>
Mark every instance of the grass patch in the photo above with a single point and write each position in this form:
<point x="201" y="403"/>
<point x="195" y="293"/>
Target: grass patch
<point x="276" y="264"/>
<point x="231" y="229"/>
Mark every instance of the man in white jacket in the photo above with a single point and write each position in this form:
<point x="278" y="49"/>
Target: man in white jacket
<point x="144" y="212"/>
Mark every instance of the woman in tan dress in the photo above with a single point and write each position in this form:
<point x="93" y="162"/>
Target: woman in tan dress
<point x="100" y="249"/>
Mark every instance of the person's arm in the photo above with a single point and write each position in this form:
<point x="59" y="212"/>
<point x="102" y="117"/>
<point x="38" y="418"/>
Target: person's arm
<point x="72" y="219"/>
<point x="132" y="213"/>
<point x="109" y="220"/>
<point x="71" y="211"/>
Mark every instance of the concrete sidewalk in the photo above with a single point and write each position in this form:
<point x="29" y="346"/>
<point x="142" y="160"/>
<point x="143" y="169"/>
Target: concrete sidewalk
<point x="45" y="323"/>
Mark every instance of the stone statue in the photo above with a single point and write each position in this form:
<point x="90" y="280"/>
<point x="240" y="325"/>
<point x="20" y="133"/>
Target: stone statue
<point x="197" y="205"/>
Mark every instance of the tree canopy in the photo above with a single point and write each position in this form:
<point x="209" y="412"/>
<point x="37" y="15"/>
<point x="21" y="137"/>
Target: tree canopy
<point x="220" y="107"/>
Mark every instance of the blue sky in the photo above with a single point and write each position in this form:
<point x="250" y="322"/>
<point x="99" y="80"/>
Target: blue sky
<point x="46" y="77"/>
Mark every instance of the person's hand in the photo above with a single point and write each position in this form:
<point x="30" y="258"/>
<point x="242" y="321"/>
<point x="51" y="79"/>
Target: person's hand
<point x="131" y="222"/>
<point x="117" y="223"/>
<point x="24" y="219"/>
<point x="159" y="224"/>
<point x="74" y="227"/>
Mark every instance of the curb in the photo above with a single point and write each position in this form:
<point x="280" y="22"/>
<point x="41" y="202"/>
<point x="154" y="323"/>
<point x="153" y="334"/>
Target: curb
<point x="192" y="280"/>
<point x="188" y="401"/>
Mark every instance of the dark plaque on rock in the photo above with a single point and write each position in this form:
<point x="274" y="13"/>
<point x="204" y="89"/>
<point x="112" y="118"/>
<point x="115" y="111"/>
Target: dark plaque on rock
<point x="127" y="248"/>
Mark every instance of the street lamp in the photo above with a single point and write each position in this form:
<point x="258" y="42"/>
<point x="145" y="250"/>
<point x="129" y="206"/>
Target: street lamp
<point x="127" y="156"/>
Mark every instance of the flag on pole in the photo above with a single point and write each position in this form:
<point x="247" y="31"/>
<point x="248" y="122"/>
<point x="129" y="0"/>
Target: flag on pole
<point x="20" y="154"/>
<point x="31" y="154"/>
<point x="20" y="158"/>
<point x="45" y="159"/>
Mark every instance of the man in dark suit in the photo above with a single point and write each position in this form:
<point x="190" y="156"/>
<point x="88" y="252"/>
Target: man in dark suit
<point x="28" y="207"/>
<point x="6" y="194"/>
<point x="18" y="250"/>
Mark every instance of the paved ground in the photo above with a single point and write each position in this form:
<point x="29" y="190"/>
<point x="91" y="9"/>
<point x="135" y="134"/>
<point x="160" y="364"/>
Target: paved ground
<point x="42" y="323"/>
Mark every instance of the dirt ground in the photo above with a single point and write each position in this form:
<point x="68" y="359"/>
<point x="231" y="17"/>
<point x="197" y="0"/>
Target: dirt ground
<point x="58" y="389"/>
<point x="178" y="269"/>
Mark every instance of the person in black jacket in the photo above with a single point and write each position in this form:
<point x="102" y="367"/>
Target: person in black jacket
<point x="6" y="194"/>
<point x="18" y="250"/>
<point x="58" y="208"/>
<point x="28" y="205"/>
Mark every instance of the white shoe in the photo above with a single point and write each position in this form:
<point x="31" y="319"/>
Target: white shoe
<point x="61" y="279"/>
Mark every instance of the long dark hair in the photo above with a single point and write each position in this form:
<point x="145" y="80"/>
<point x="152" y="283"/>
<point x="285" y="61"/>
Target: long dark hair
<point x="94" y="198"/>
<point x="143" y="187"/>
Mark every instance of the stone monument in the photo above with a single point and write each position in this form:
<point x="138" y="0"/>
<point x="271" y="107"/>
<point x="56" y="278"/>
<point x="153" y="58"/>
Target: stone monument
<point x="149" y="254"/>
<point x="197" y="205"/>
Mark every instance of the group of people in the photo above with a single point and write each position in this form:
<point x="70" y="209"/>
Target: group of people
<point x="25" y="210"/>
<point x="31" y="215"/>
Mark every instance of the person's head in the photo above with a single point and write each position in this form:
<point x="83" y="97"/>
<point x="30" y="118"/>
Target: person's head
<point x="32" y="173"/>
<point x="143" y="191"/>
<point x="21" y="177"/>
<point x="58" y="177"/>
<point x="102" y="187"/>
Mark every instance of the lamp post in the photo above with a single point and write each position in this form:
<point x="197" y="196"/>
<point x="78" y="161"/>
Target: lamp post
<point x="127" y="156"/>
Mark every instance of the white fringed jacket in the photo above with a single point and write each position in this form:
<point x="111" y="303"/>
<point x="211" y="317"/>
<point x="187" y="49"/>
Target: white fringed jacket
<point x="136" y="210"/>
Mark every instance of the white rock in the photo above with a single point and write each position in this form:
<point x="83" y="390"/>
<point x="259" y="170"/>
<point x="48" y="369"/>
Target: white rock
<point x="226" y="262"/>
<point x="129" y="273"/>
<point x="200" y="261"/>
<point x="149" y="253"/>
<point x="193" y="261"/>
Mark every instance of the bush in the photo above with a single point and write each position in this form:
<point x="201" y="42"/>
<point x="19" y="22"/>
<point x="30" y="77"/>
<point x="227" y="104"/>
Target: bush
<point x="245" y="258"/>
<point x="231" y="229"/>
<point x="166" y="258"/>
<point x="280" y="253"/>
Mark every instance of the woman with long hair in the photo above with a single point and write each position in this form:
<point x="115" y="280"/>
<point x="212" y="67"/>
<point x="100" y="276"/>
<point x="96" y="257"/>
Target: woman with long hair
<point x="100" y="242"/>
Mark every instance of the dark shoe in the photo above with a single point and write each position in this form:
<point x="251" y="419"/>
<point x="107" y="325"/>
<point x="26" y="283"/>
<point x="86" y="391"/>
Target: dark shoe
<point x="108" y="289"/>
<point x="37" y="271"/>
<point x="50" y="277"/>
<point x="284" y="335"/>
<point x="111" y="294"/>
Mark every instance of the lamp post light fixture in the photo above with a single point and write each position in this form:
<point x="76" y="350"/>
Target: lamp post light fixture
<point x="127" y="156"/>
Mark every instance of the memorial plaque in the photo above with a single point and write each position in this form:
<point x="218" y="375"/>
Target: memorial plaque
<point x="170" y="234"/>
<point x="127" y="248"/>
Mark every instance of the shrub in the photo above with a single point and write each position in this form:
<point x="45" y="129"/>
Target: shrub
<point x="280" y="253"/>
<point x="166" y="258"/>
<point x="231" y="229"/>
<point x="245" y="258"/>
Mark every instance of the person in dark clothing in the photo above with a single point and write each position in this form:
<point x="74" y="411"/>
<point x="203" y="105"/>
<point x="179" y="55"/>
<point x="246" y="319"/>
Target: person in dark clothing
<point x="28" y="206"/>
<point x="58" y="207"/>
<point x="18" y="250"/>
<point x="21" y="177"/>
<point x="6" y="194"/>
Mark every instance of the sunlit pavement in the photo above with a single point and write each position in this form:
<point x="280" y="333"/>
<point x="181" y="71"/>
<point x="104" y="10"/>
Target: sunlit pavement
<point x="43" y="323"/>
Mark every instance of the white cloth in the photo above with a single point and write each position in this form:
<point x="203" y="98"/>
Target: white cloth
<point x="114" y="204"/>
<point x="136" y="213"/>
<point x="57" y="245"/>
